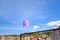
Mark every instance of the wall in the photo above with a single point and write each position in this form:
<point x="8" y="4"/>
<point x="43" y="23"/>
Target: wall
<point x="9" y="37"/>
<point x="55" y="35"/>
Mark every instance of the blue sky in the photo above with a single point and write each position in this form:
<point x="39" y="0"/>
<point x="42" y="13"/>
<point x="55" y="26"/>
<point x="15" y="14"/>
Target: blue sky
<point x="37" y="12"/>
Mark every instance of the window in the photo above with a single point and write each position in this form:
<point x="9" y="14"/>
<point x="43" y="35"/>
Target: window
<point x="25" y="38"/>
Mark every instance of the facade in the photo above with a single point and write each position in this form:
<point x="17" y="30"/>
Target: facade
<point x="0" y="37"/>
<point x="10" y="37"/>
<point x="53" y="34"/>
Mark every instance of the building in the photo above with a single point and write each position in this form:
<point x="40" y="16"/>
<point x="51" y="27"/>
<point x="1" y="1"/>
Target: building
<point x="53" y="34"/>
<point x="0" y="37"/>
<point x="10" y="37"/>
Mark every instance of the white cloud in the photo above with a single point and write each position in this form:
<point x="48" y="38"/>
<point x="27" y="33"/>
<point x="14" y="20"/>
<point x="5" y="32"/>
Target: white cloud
<point x="32" y="31"/>
<point x="36" y="27"/>
<point x="53" y="23"/>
